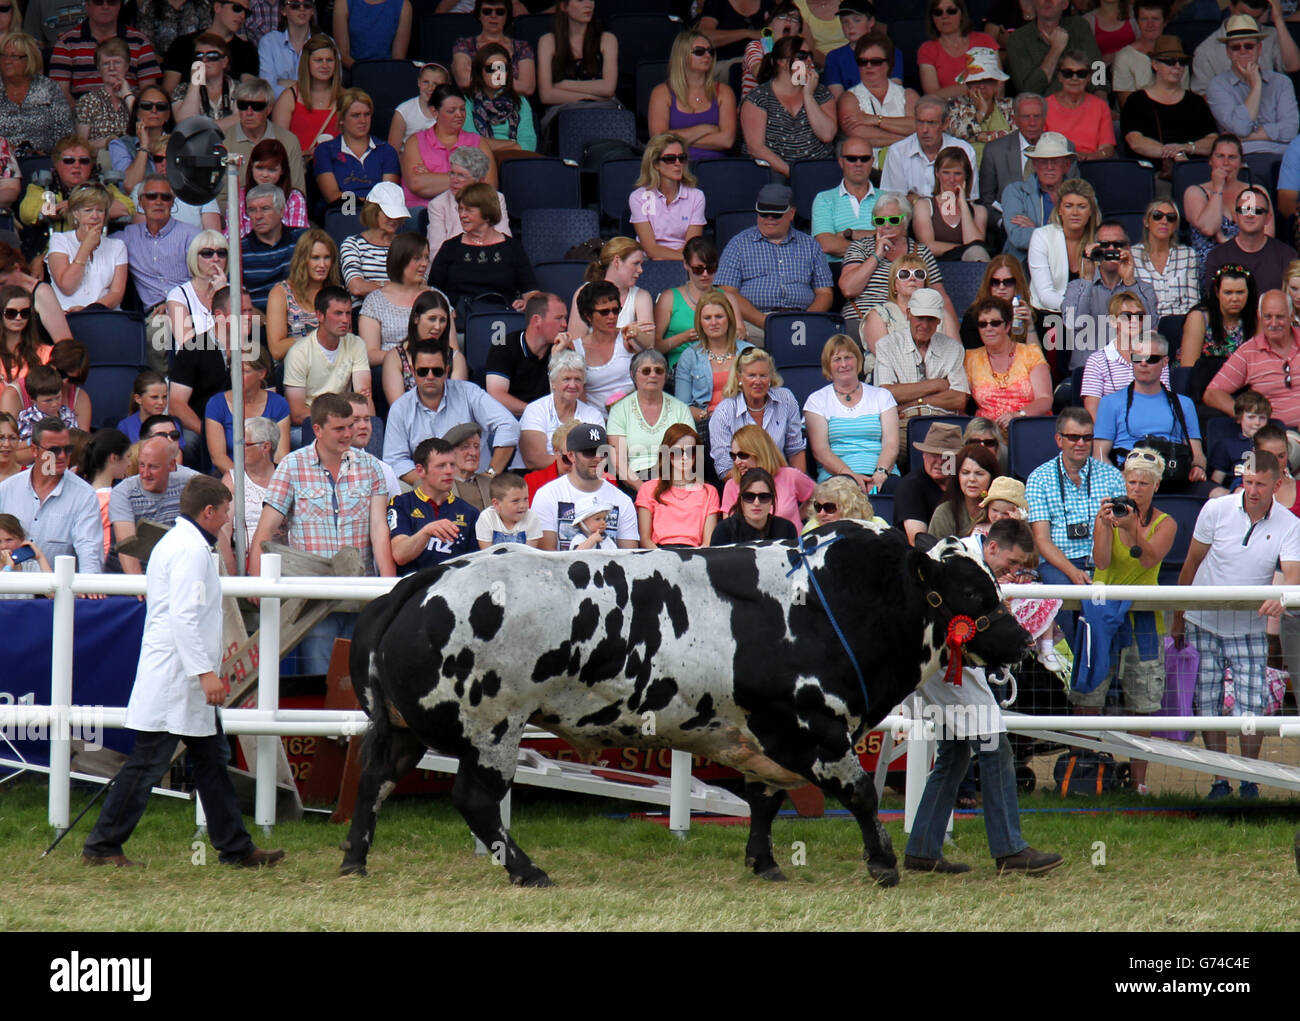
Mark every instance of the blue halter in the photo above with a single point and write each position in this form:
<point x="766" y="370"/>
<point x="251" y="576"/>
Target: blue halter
<point x="800" y="557"/>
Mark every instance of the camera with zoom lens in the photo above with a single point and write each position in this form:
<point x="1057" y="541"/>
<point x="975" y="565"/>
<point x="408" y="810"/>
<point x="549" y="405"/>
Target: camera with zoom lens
<point x="1106" y="253"/>
<point x="1121" y="505"/>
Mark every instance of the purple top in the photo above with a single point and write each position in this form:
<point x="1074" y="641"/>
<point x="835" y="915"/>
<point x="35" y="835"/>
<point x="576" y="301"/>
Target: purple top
<point x="678" y="119"/>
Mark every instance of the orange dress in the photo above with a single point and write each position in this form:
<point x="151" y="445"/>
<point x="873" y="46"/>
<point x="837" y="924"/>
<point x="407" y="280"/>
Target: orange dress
<point x="1006" y="392"/>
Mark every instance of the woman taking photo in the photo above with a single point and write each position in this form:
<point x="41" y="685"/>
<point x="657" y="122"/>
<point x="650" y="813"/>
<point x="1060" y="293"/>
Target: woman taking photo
<point x="948" y="222"/>
<point x="638" y="423"/>
<point x="1170" y="268"/>
<point x="754" y="396"/>
<point x="790" y="115"/>
<point x="309" y="107"/>
<point x="501" y="117"/>
<point x="752" y="447"/>
<point x="679" y="511"/>
<point x="386" y="313"/>
<point x="430" y="320"/>
<point x="675" y="309"/>
<point x="576" y="61"/>
<point x="619" y="263"/>
<point x="706" y="366"/>
<point x="21" y="345"/>
<point x="852" y="426"/>
<point x="568" y="376"/>
<point x="268" y="163"/>
<point x="1076" y="113"/>
<point x="962" y="510"/>
<point x="87" y="267"/>
<point x="1211" y="207"/>
<point x="496" y="19"/>
<point x="1007" y="380"/>
<point x="291" y="304"/>
<point x="752" y="517"/>
<point x="481" y="260"/>
<point x="1056" y="250"/>
<point x="425" y="154"/>
<point x="214" y="98"/>
<point x="219" y="417"/>
<point x="691" y="104"/>
<point x="942" y="60"/>
<point x="34" y="113"/>
<point x="667" y="208"/>
<point x="1226" y="319"/>
<point x="1005" y="279"/>
<point x="143" y="149"/>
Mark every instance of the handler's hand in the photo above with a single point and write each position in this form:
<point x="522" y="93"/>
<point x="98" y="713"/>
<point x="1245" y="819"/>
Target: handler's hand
<point x="214" y="688"/>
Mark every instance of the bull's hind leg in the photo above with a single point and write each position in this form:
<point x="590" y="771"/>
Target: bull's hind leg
<point x="477" y="795"/>
<point x="381" y="774"/>
<point x="764" y="803"/>
<point x="858" y="793"/>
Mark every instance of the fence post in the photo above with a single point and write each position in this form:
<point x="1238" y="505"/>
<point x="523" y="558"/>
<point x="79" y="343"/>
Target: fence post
<point x="679" y="797"/>
<point x="61" y="692"/>
<point x="920" y="750"/>
<point x="268" y="694"/>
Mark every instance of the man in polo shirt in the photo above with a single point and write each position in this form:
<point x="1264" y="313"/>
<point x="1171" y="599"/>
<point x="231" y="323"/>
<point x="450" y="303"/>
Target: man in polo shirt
<point x="518" y="370"/>
<point x="72" y="63"/>
<point x="1064" y="496"/>
<point x="1265" y="257"/>
<point x="352" y="162"/>
<point x="1277" y="51"/>
<point x="330" y="359"/>
<point x="588" y="450"/>
<point x="431" y="523"/>
<point x="156" y="249"/>
<point x="1084" y="308"/>
<point x="436" y="405"/>
<point x="253" y="108"/>
<point x="154" y="495"/>
<point x="921" y="490"/>
<point x="920" y="365"/>
<point x="1238" y="540"/>
<point x="1027" y="202"/>
<point x="268" y="249"/>
<point x="1255" y="104"/>
<point x="772" y="267"/>
<point x="58" y="511"/>
<point x="842" y="215"/>
<point x="1265" y="364"/>
<point x="1035" y="48"/>
<point x="227" y="19"/>
<point x="910" y="166"/>
<point x="329" y="496"/>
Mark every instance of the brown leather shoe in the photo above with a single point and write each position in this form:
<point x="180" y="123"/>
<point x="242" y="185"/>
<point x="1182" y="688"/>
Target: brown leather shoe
<point x="257" y="857"/>
<point x="119" y="860"/>
<point x="1029" y="861"/>
<point x="940" y="864"/>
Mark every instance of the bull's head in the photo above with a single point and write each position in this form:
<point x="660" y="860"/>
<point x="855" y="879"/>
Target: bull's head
<point x="962" y="600"/>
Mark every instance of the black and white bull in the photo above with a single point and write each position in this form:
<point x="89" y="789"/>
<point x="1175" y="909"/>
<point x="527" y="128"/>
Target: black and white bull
<point x="730" y="649"/>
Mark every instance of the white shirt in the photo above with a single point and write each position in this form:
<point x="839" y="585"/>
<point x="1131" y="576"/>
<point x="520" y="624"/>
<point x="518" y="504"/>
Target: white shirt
<point x="1232" y="560"/>
<point x="555" y="501"/>
<point x="98" y="274"/>
<point x="541" y="416"/>
<point x="909" y="170"/>
<point x="182" y="637"/>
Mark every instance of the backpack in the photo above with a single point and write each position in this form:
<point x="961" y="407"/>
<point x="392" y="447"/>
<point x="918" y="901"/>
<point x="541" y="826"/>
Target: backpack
<point x="598" y="150"/>
<point x="1086" y="773"/>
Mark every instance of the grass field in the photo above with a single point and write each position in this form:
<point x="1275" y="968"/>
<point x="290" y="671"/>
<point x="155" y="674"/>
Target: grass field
<point x="1228" y="870"/>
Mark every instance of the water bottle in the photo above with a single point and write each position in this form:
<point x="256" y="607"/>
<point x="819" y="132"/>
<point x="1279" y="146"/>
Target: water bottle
<point x="1019" y="327"/>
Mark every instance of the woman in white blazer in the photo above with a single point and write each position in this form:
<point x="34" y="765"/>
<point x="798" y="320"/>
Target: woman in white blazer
<point x="1056" y="250"/>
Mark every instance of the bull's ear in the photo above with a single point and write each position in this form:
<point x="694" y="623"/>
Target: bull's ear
<point x="924" y="567"/>
<point x="925" y="542"/>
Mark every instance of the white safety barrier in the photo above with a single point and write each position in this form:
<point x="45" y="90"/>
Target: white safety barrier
<point x="269" y="722"/>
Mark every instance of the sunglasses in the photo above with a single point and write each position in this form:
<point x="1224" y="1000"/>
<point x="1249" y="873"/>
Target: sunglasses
<point x="437" y="370"/>
<point x="1160" y="214"/>
<point x="911" y="274"/>
<point x="1172" y="61"/>
<point x="613" y="310"/>
<point x="892" y="221"/>
<point x="872" y="61"/>
<point x="771" y="216"/>
<point x="158" y="196"/>
<point x="105" y="3"/>
<point x="988" y="441"/>
<point x="75" y="161"/>
<point x="154" y="106"/>
<point x="212" y="253"/>
<point x="6" y="8"/>
<point x="492" y="12"/>
<point x="209" y="56"/>
<point x="1074" y="72"/>
<point x="1286" y="375"/>
<point x="745" y="454"/>
<point x="653" y="370"/>
<point x="802" y="55"/>
<point x="673" y="157"/>
<point x="251" y="104"/>
<point x="297" y="5"/>
<point x="857" y="159"/>
<point x="826" y="508"/>
<point x="64" y="449"/>
<point x="1148" y="360"/>
<point x="992" y="323"/>
<point x="170" y="434"/>
<point x="1240" y="47"/>
<point x="946" y="12"/>
<point x="237" y="8"/>
<point x="1076" y="437"/>
<point x="18" y="313"/>
<point x="1241" y="211"/>
<point x="1002" y="282"/>
<point x="701" y="51"/>
<point x="756" y="497"/>
<point x="703" y="269"/>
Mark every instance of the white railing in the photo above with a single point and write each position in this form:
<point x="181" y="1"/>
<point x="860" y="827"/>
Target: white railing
<point x="269" y="722"/>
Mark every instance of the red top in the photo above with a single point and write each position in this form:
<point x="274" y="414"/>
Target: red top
<point x="945" y="64"/>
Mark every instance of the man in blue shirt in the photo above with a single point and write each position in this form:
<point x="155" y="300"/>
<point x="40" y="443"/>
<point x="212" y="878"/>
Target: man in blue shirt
<point x="772" y="267"/>
<point x="429" y="524"/>
<point x="1027" y="204"/>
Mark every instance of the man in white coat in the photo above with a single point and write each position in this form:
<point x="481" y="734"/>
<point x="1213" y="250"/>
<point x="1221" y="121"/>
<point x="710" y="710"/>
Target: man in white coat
<point x="177" y="689"/>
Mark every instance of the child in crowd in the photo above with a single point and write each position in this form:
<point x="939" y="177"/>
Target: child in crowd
<point x="589" y="521"/>
<point x="13" y="538"/>
<point x="509" y="519"/>
<point x="45" y="387"/>
<point x="148" y="398"/>
<point x="1252" y="410"/>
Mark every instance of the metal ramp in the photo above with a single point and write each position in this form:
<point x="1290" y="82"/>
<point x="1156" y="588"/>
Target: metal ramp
<point x="1169" y="753"/>
<point x="538" y="770"/>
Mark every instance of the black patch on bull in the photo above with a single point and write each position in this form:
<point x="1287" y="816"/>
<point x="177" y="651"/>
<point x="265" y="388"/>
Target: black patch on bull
<point x="602" y="717"/>
<point x="585" y="622"/>
<point x="485" y="617"/>
<point x="703" y="714"/>
<point x="579" y="574"/>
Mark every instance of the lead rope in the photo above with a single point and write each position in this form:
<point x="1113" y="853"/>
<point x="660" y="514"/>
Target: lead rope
<point x="802" y="553"/>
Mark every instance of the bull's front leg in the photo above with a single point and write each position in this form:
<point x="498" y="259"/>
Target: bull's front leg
<point x="477" y="795"/>
<point x="847" y="781"/>
<point x="764" y="803"/>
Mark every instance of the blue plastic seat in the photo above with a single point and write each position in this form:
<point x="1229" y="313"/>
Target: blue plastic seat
<point x="576" y="126"/>
<point x="483" y="330"/>
<point x="807" y="178"/>
<point x="730" y="185"/>
<point x="802" y="381"/>
<point x="962" y="282"/>
<point x="797" y="338"/>
<point x="727" y="225"/>
<point x="617" y="180"/>
<point x="547" y="234"/>
<point x="562" y="278"/>
<point x="388" y="83"/>
<point x="1122" y="186"/>
<point x="438" y="34"/>
<point x="659" y="275"/>
<point x="109" y="388"/>
<point x="340" y="225"/>
<point x="540" y="184"/>
<point x="1031" y="441"/>
<point x="883" y="505"/>
<point x="641" y="36"/>
<point x="111" y="337"/>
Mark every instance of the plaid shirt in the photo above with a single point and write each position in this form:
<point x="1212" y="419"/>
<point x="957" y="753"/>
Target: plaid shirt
<point x="774" y="276"/>
<point x="73" y="60"/>
<point x="263" y="16"/>
<point x="1178" y="288"/>
<point x="325" y="514"/>
<point x="1053" y="497"/>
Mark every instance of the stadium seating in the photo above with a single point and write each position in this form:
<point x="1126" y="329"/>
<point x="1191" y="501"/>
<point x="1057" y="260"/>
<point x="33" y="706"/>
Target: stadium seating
<point x="807" y="178"/>
<point x="438" y="34"/>
<point x="617" y="181"/>
<point x="727" y="225"/>
<point x="548" y="234"/>
<point x="962" y="282"/>
<point x="562" y="277"/>
<point x="482" y="331"/>
<point x="111" y="338"/>
<point x="340" y="225"/>
<point x="797" y="338"/>
<point x="109" y="389"/>
<point x="1031" y="441"/>
<point x="883" y="505"/>
<point x="730" y="184"/>
<point x="802" y="380"/>
<point x="1184" y="510"/>
<point x="531" y="27"/>
<point x="641" y="36"/>
<point x="659" y="275"/>
<point x="576" y="127"/>
<point x="389" y="83"/>
<point x="1122" y="186"/>
<point x="649" y="73"/>
<point x="540" y="184"/>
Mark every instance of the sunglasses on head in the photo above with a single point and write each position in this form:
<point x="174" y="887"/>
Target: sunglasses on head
<point x="825" y="508"/>
<point x="75" y="161"/>
<point x="756" y="496"/>
<point x="1074" y="72"/>
<point x="251" y="104"/>
<point x="701" y="51"/>
<point x="438" y="371"/>
<point x="1160" y="214"/>
<point x="212" y="253"/>
<point x="854" y="158"/>
<point x="673" y="157"/>
<point x="18" y="313"/>
<point x="892" y="221"/>
<point x="872" y="61"/>
<point x="911" y="274"/>
<point x="156" y="106"/>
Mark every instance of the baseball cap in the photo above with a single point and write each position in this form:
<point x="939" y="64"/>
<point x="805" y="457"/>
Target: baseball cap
<point x="584" y="437"/>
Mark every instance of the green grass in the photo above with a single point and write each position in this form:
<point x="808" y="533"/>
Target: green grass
<point x="1162" y="873"/>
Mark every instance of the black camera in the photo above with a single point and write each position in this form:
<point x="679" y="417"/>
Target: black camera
<point x="1121" y="505"/>
<point x="1106" y="253"/>
<point x="1077" y="530"/>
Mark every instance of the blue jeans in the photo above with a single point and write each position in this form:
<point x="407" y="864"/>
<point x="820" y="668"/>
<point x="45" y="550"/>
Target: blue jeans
<point x="317" y="646"/>
<point x="149" y="760"/>
<point x="997" y="781"/>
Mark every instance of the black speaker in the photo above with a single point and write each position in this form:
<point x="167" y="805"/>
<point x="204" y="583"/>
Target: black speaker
<point x="196" y="160"/>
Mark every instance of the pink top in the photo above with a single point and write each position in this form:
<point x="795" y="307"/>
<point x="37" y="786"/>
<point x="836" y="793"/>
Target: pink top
<point x="679" y="517"/>
<point x="793" y="487"/>
<point x="1115" y="39"/>
<point x="944" y="63"/>
<point x="436" y="158"/>
<point x="1088" y="126"/>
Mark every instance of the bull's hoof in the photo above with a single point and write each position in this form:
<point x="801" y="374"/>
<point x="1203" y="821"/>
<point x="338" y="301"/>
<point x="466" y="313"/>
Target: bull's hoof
<point x="885" y="877"/>
<point x="772" y="874"/>
<point x="345" y="845"/>
<point x="535" y="878"/>
<point x="352" y="870"/>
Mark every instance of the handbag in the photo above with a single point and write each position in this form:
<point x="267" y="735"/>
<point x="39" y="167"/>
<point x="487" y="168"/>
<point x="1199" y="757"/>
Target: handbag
<point x="1181" y="666"/>
<point x="1177" y="456"/>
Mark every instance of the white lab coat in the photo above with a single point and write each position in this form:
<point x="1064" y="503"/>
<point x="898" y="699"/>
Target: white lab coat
<point x="182" y="637"/>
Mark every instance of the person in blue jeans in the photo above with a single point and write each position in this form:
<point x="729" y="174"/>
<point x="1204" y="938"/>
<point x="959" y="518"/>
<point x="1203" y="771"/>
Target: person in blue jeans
<point x="970" y="717"/>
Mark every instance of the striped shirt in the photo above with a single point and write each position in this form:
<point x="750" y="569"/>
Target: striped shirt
<point x="363" y="260"/>
<point x="877" y="290"/>
<point x="266" y="265"/>
<point x="1178" y="288"/>
<point x="73" y="60"/>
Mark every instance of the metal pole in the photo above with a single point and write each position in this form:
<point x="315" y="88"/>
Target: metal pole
<point x="236" y="345"/>
<point x="679" y="795"/>
<point x="61" y="692"/>
<point x="268" y="693"/>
